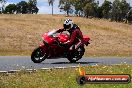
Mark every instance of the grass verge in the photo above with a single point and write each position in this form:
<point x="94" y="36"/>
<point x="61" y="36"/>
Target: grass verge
<point x="63" y="78"/>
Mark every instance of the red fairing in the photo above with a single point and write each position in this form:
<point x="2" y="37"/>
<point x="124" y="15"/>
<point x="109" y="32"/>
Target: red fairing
<point x="48" y="39"/>
<point x="63" y="37"/>
<point x="86" y="39"/>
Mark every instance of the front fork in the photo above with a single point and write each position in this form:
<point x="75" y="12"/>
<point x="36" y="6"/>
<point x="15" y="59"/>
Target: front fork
<point x="44" y="49"/>
<point x="41" y="44"/>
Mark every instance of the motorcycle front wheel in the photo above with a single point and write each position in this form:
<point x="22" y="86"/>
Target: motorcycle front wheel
<point x="38" y="56"/>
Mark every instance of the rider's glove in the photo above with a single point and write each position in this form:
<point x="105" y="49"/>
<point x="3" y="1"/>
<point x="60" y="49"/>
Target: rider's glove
<point x="60" y="30"/>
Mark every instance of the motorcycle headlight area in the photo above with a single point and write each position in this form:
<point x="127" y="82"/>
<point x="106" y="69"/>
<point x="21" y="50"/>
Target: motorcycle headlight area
<point x="44" y="41"/>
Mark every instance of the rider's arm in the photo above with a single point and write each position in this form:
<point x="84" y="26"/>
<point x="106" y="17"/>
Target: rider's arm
<point x="60" y="30"/>
<point x="80" y="34"/>
<point x="72" y="37"/>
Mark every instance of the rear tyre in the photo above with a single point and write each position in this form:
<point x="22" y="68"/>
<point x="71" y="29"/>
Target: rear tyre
<point x="38" y="56"/>
<point x="77" y="55"/>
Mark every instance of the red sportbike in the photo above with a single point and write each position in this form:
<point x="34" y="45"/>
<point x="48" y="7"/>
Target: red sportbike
<point x="52" y="48"/>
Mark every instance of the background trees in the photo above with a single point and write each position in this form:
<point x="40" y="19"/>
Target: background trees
<point x="51" y="2"/>
<point x="106" y="7"/>
<point x="77" y="4"/>
<point x="22" y="7"/>
<point x="90" y="8"/>
<point x="129" y="16"/>
<point x="2" y="2"/>
<point x="119" y="10"/>
<point x="125" y="7"/>
<point x="32" y="6"/>
<point x="11" y="8"/>
<point x="66" y="6"/>
<point x="116" y="10"/>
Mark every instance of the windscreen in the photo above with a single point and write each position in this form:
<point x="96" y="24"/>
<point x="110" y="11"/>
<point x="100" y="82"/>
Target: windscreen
<point x="52" y="33"/>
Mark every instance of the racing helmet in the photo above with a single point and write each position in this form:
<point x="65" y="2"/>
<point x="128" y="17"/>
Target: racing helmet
<point x="68" y="24"/>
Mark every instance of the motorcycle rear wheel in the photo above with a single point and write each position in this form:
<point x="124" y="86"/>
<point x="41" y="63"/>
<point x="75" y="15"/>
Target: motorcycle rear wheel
<point x="74" y="58"/>
<point x="37" y="56"/>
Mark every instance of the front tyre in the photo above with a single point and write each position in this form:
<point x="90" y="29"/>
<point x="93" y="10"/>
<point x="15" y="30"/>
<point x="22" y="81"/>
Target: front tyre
<point x="38" y="56"/>
<point x="77" y="55"/>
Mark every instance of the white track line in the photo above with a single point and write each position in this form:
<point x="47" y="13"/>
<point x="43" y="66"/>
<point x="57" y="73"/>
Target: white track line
<point x="34" y="70"/>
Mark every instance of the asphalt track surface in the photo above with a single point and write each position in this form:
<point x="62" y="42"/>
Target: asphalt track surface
<point x="24" y="62"/>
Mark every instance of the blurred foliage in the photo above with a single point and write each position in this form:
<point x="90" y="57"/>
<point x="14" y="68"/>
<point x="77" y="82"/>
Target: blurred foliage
<point x="116" y="11"/>
<point x="22" y="7"/>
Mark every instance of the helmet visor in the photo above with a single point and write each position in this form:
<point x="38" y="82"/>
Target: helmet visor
<point x="66" y="26"/>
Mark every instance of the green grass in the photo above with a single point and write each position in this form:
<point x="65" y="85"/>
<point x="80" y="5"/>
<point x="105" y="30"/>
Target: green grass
<point x="62" y="78"/>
